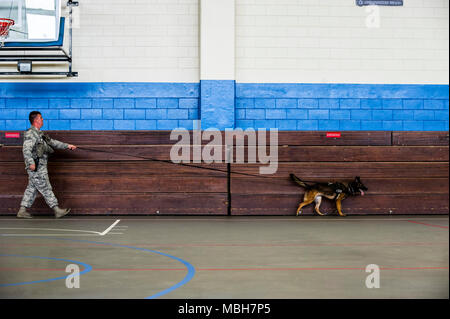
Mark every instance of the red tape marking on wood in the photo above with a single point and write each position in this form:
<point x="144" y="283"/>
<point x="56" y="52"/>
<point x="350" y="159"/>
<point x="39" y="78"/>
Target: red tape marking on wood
<point x="334" y="134"/>
<point x="12" y="135"/>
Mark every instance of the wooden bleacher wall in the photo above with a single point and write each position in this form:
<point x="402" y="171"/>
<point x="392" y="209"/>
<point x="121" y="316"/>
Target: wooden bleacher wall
<point x="406" y="173"/>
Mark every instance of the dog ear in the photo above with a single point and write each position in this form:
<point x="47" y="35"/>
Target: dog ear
<point x="358" y="178"/>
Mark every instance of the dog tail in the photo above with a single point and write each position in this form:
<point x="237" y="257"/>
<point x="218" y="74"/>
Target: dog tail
<point x="298" y="181"/>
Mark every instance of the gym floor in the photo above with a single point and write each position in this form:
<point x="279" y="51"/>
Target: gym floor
<point x="225" y="257"/>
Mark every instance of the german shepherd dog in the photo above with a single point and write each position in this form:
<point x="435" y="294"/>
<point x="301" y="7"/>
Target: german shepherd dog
<point x="336" y="191"/>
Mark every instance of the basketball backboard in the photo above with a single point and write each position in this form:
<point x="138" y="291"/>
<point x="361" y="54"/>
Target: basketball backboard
<point x="34" y="20"/>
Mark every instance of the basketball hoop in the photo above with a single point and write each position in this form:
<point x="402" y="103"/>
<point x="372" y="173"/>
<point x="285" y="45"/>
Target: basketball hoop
<point x="5" y="24"/>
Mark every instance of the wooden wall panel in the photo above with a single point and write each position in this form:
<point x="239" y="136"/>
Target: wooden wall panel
<point x="377" y="186"/>
<point x="352" y="153"/>
<point x="100" y="137"/>
<point x="101" y="183"/>
<point x="281" y="204"/>
<point x="406" y="173"/>
<point x="128" y="203"/>
<point x="100" y="153"/>
<point x="285" y="154"/>
<point x="420" y="138"/>
<point x="312" y="138"/>
<point x="77" y="183"/>
<point x="341" y="170"/>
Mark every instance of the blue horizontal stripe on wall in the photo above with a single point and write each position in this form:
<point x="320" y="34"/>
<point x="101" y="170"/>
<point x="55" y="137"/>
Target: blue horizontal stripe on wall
<point x="100" y="106"/>
<point x="350" y="107"/>
<point x="154" y="106"/>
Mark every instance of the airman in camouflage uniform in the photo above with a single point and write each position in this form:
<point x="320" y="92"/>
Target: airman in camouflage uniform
<point x="36" y="148"/>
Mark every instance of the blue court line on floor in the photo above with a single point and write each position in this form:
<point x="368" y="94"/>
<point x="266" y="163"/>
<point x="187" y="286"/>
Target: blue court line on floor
<point x="190" y="274"/>
<point x="87" y="268"/>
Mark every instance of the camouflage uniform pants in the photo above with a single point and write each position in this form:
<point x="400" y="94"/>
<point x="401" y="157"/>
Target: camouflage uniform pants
<point x="38" y="182"/>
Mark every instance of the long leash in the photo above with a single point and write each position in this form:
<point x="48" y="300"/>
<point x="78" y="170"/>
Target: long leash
<point x="180" y="164"/>
<point x="170" y="162"/>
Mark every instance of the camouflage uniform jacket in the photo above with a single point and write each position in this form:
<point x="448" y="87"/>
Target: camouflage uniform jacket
<point x="34" y="139"/>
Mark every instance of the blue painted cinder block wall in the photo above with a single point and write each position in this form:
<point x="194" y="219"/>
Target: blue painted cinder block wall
<point x="343" y="107"/>
<point x="100" y="106"/>
<point x="223" y="104"/>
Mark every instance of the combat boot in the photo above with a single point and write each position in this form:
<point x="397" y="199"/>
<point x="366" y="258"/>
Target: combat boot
<point x="60" y="212"/>
<point x="22" y="213"/>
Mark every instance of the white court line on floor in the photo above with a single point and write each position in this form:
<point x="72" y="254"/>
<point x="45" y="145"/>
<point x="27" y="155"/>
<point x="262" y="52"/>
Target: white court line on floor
<point x="110" y="227"/>
<point x="52" y="229"/>
<point x="46" y="235"/>
<point x="88" y="232"/>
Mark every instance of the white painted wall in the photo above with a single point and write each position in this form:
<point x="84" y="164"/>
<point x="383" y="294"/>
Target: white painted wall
<point x="300" y="41"/>
<point x="217" y="39"/>
<point x="137" y="41"/>
<point x="327" y="41"/>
